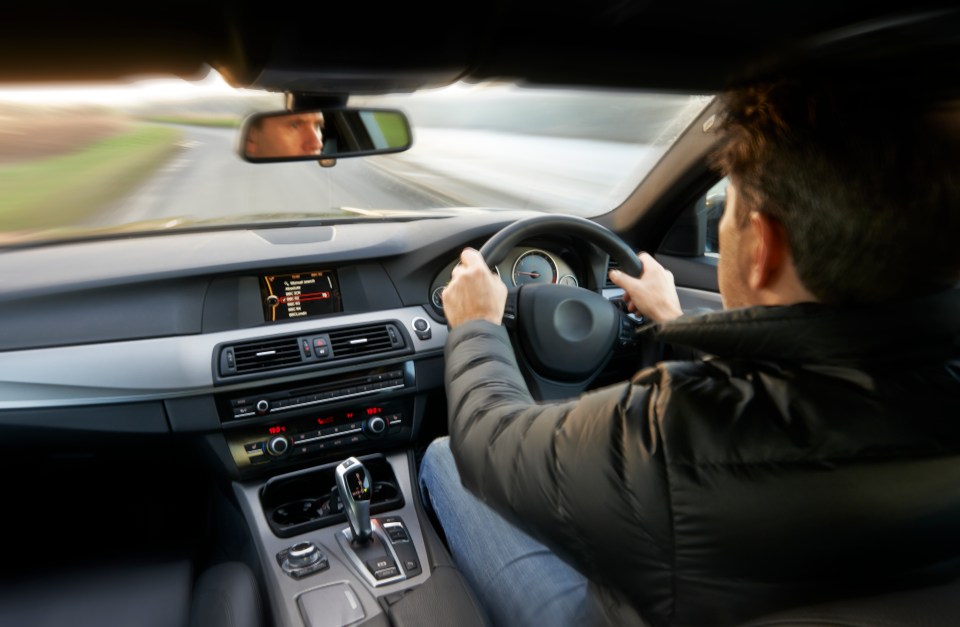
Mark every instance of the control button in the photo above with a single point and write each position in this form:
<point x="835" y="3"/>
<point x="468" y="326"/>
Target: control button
<point x="379" y="563"/>
<point x="422" y="328"/>
<point x="411" y="565"/>
<point x="278" y="446"/>
<point x="302" y="559"/>
<point x="398" y="534"/>
<point x="263" y="405"/>
<point x="321" y="347"/>
<point x="376" y="425"/>
<point x="382" y="567"/>
<point x="241" y="412"/>
<point x="386" y="573"/>
<point x="303" y="554"/>
<point x="306" y="347"/>
<point x="300" y="437"/>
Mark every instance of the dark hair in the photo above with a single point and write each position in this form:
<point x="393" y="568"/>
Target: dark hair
<point x="864" y="180"/>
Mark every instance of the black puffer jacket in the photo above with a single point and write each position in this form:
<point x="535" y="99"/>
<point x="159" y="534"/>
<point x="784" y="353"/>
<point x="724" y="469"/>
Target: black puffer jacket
<point x="814" y="455"/>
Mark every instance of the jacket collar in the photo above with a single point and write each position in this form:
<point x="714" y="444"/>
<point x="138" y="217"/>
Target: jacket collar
<point x="924" y="327"/>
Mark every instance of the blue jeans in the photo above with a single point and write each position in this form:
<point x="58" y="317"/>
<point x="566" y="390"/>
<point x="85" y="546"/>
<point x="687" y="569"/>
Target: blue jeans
<point x="518" y="580"/>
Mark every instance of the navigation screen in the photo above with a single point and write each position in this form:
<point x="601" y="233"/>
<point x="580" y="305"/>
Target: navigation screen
<point x="291" y="296"/>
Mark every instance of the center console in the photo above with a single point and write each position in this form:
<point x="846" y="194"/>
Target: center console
<point x="319" y="574"/>
<point x="321" y="567"/>
<point x="309" y="389"/>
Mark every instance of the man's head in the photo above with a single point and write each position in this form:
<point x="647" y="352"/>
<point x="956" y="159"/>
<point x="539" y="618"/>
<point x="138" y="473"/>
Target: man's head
<point x="853" y="191"/>
<point x="288" y="135"/>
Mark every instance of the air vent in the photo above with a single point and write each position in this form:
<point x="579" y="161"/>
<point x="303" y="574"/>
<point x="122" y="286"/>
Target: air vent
<point x="612" y="264"/>
<point x="365" y="340"/>
<point x="268" y="354"/>
<point x="316" y="348"/>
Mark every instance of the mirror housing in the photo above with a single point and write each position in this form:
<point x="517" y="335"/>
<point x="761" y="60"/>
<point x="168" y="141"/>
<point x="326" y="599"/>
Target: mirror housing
<point x="323" y="134"/>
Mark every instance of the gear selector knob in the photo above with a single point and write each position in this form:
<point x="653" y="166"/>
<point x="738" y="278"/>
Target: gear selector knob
<point x="353" y="482"/>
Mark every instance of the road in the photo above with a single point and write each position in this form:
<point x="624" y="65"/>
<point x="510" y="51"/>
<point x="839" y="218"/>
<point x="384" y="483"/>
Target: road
<point x="445" y="168"/>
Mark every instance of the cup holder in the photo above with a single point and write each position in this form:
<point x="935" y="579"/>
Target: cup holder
<point x="384" y="491"/>
<point x="308" y="499"/>
<point x="296" y="512"/>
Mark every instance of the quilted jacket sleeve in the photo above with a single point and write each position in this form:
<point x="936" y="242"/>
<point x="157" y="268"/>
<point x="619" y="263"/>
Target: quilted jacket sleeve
<point x="586" y="477"/>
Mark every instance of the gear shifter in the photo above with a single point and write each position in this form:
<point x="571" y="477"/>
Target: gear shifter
<point x="353" y="482"/>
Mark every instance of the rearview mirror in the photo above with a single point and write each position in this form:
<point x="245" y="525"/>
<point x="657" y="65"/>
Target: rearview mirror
<point x="320" y="134"/>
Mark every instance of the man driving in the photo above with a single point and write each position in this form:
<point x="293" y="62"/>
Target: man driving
<point x="810" y="454"/>
<point x="285" y="135"/>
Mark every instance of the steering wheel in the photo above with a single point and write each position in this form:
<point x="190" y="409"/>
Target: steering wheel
<point x="563" y="335"/>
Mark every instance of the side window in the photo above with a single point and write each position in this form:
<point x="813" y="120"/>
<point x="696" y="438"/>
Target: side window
<point x="695" y="233"/>
<point x="691" y="249"/>
<point x="713" y="202"/>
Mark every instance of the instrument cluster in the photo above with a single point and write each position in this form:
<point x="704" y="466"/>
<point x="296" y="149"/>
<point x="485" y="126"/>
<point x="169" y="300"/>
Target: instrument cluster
<point x="522" y="266"/>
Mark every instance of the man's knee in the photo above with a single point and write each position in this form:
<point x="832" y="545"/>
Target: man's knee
<point x="438" y="462"/>
<point x="437" y="465"/>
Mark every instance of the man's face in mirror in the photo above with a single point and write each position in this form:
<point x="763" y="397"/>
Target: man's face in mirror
<point x="288" y="135"/>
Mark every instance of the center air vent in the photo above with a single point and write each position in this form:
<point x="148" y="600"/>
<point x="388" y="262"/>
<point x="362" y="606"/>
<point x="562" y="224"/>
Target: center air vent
<point x="267" y="355"/>
<point x="318" y="347"/>
<point x="364" y="340"/>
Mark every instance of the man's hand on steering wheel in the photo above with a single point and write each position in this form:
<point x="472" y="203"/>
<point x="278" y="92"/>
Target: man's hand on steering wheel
<point x="474" y="293"/>
<point x="652" y="295"/>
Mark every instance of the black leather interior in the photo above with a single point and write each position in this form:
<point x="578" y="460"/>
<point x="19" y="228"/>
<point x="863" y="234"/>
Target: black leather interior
<point x="926" y="607"/>
<point x="162" y="594"/>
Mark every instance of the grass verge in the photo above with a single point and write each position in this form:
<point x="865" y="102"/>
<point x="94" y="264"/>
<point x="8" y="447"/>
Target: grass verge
<point x="216" y="122"/>
<point x="66" y="189"/>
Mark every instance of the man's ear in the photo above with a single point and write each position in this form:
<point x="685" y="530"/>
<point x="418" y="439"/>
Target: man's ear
<point x="770" y="252"/>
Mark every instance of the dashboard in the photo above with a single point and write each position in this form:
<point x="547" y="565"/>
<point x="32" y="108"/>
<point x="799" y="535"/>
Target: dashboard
<point x="286" y="345"/>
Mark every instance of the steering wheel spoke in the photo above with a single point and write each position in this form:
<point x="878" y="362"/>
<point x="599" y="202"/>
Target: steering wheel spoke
<point x="510" y="309"/>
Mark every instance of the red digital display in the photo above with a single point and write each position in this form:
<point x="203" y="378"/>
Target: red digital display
<point x="373" y="411"/>
<point x="325" y="420"/>
<point x="277" y="429"/>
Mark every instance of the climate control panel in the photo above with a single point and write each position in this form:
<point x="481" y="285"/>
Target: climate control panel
<point x="320" y="432"/>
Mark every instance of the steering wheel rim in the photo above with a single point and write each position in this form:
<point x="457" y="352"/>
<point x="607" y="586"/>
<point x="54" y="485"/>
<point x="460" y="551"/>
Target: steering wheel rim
<point x="563" y="335"/>
<point x="496" y="248"/>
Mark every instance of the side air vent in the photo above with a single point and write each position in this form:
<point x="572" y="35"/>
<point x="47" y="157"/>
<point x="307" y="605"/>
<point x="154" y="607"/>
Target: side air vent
<point x="364" y="340"/>
<point x="612" y="264"/>
<point x="316" y="348"/>
<point x="267" y="355"/>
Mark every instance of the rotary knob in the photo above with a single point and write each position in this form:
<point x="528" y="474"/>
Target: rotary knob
<point x="278" y="445"/>
<point x="303" y="554"/>
<point x="376" y="425"/>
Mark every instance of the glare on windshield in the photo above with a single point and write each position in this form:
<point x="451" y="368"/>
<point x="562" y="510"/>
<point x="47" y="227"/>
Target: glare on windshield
<point x="161" y="154"/>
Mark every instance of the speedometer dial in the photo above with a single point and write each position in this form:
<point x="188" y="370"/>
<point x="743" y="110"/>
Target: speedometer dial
<point x="534" y="266"/>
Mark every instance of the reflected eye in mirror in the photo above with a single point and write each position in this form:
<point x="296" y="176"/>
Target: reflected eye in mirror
<point x="323" y="134"/>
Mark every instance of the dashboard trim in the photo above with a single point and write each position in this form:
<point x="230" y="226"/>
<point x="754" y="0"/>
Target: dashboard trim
<point x="171" y="367"/>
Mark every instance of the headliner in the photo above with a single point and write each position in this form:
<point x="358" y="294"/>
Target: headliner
<point x="352" y="48"/>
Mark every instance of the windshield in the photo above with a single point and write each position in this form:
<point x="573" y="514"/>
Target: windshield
<point x="161" y="154"/>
